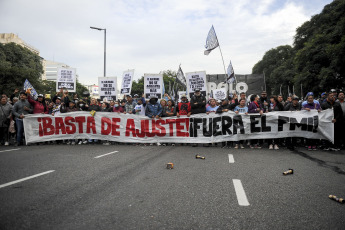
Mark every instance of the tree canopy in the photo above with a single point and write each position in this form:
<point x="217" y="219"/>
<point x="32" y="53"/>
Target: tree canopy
<point x="316" y="60"/>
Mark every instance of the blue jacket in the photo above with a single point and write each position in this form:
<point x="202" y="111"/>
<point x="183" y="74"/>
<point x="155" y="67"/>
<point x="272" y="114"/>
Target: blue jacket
<point x="153" y="110"/>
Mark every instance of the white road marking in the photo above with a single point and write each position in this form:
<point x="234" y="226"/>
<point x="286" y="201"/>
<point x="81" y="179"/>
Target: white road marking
<point x="8" y="150"/>
<point x="241" y="195"/>
<point x="26" y="178"/>
<point x="231" y="158"/>
<point x="106" y="154"/>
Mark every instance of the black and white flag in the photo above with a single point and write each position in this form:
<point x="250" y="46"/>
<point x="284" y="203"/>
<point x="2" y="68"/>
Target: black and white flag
<point x="181" y="78"/>
<point x="231" y="74"/>
<point x="211" y="41"/>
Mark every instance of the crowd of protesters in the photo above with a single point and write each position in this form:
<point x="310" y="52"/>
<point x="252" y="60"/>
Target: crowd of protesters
<point x="21" y="103"/>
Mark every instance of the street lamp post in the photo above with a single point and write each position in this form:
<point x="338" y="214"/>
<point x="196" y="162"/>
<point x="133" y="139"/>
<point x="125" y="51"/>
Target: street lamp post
<point x="105" y="54"/>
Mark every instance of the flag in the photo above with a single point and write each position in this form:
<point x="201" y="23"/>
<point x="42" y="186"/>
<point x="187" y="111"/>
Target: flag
<point x="180" y="78"/>
<point x="231" y="74"/>
<point x="27" y="85"/>
<point x="211" y="41"/>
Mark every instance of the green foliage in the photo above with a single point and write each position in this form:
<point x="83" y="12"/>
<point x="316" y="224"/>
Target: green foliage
<point x="16" y="65"/>
<point x="318" y="55"/>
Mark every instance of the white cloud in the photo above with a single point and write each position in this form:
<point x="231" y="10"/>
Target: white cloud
<point x="151" y="36"/>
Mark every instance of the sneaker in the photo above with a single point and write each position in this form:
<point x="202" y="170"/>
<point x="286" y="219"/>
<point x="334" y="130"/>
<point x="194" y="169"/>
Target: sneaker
<point x="242" y="147"/>
<point x="271" y="147"/>
<point x="164" y="144"/>
<point x="6" y="143"/>
<point x="68" y="142"/>
<point x="158" y="144"/>
<point x="172" y="144"/>
<point x="276" y="147"/>
<point x="309" y="148"/>
<point x="257" y="146"/>
<point x="251" y="146"/>
<point x="236" y="146"/>
<point x="314" y="147"/>
<point x="80" y="142"/>
<point x="85" y="142"/>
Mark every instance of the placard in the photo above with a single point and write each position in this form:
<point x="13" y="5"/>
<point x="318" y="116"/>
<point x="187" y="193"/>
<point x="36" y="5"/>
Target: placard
<point x="153" y="85"/>
<point x="127" y="78"/>
<point x="66" y="79"/>
<point x="107" y="88"/>
<point x="196" y="80"/>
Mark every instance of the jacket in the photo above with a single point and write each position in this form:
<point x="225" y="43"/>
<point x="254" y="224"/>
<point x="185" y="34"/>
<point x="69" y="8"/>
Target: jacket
<point x="38" y="106"/>
<point x="153" y="110"/>
<point x="252" y="108"/>
<point x="18" y="108"/>
<point x="200" y="107"/>
<point x="5" y="113"/>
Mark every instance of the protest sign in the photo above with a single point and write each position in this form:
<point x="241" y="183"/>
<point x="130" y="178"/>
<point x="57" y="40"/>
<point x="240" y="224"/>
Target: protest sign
<point x="153" y="85"/>
<point x="127" y="78"/>
<point x="66" y="79"/>
<point x="198" y="128"/>
<point x="107" y="88"/>
<point x="219" y="94"/>
<point x="28" y="85"/>
<point x="196" y="80"/>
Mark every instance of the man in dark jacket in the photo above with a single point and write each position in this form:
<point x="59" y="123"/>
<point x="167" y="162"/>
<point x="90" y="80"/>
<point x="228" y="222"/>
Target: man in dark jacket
<point x="198" y="102"/>
<point x="5" y="115"/>
<point x="294" y="105"/>
<point x="330" y="103"/>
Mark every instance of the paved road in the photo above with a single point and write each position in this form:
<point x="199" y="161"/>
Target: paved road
<point x="132" y="189"/>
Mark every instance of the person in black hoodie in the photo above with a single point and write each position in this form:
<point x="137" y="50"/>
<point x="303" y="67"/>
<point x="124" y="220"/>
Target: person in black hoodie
<point x="198" y="102"/>
<point x="294" y="105"/>
<point x="225" y="107"/>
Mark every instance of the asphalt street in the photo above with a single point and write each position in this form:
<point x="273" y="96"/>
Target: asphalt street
<point x="129" y="187"/>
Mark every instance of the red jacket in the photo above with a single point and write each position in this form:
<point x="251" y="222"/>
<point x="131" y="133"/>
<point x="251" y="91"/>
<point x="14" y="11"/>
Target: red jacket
<point x="38" y="106"/>
<point x="184" y="108"/>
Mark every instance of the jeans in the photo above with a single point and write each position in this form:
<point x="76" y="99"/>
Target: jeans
<point x="20" y="130"/>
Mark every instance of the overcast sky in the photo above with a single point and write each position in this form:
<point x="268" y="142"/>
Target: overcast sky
<point x="155" y="35"/>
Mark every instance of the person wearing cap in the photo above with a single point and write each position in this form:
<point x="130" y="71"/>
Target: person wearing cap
<point x="70" y="108"/>
<point x="294" y="105"/>
<point x="264" y="101"/>
<point x="198" y="102"/>
<point x="139" y="108"/>
<point x="130" y="105"/>
<point x="153" y="108"/>
<point x="323" y="98"/>
<point x="57" y="106"/>
<point x="334" y="93"/>
<point x="338" y="119"/>
<point x="39" y="105"/>
<point x="20" y="109"/>
<point x="183" y="107"/>
<point x="255" y="107"/>
<point x="276" y="106"/>
<point x="306" y="101"/>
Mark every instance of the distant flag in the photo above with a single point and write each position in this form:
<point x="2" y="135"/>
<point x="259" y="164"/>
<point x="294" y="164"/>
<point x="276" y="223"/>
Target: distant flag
<point x="169" y="90"/>
<point x="231" y="74"/>
<point x="180" y="78"/>
<point x="27" y="85"/>
<point x="211" y="41"/>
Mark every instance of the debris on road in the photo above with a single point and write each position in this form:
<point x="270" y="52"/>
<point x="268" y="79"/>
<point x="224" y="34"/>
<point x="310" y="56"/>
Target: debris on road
<point x="170" y="165"/>
<point x="197" y="156"/>
<point x="290" y="171"/>
<point x="335" y="198"/>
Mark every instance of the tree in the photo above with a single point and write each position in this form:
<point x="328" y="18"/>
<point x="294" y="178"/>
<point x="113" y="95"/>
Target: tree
<point x="16" y="65"/>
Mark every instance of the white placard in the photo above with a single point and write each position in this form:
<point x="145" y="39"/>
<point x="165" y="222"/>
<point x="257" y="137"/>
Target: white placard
<point x="153" y="85"/>
<point x="107" y="88"/>
<point x="127" y="78"/>
<point x="66" y="79"/>
<point x="219" y="94"/>
<point x="196" y="80"/>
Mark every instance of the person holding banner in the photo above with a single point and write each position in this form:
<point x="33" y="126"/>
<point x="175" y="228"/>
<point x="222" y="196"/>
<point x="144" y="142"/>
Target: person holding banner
<point x="212" y="108"/>
<point x="20" y="109"/>
<point x="139" y="109"/>
<point x="311" y="105"/>
<point x="130" y="105"/>
<point x="276" y="106"/>
<point x="118" y="108"/>
<point x="223" y="108"/>
<point x="171" y="109"/>
<point x="198" y="102"/>
<point x="153" y="109"/>
<point x="5" y="119"/>
<point x="241" y="109"/>
<point x="184" y="107"/>
<point x="39" y="105"/>
<point x="255" y="107"/>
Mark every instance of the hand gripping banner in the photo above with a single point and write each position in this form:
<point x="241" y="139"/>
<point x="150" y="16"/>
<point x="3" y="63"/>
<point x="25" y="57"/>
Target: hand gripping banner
<point x="199" y="128"/>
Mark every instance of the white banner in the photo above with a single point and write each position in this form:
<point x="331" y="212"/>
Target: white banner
<point x="66" y="79"/>
<point x="107" y="88"/>
<point x="196" y="80"/>
<point x="153" y="85"/>
<point x="127" y="78"/>
<point x="198" y="128"/>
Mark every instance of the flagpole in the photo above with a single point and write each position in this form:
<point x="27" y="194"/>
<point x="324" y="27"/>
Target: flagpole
<point x="223" y="63"/>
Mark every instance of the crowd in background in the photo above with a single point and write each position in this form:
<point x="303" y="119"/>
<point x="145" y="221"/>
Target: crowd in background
<point x="14" y="108"/>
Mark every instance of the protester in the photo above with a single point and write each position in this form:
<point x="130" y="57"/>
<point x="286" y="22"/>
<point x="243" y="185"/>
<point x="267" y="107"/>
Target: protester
<point x="311" y="105"/>
<point x="171" y="109"/>
<point x="212" y="108"/>
<point x="20" y="109"/>
<point x="341" y="101"/>
<point x="225" y="107"/>
<point x="337" y="120"/>
<point x="198" y="102"/>
<point x="163" y="103"/>
<point x="276" y="106"/>
<point x="130" y="105"/>
<point x="291" y="142"/>
<point x="39" y="105"/>
<point x="118" y="108"/>
<point x="183" y="107"/>
<point x="139" y="109"/>
<point x="56" y="106"/>
<point x="93" y="107"/>
<point x="241" y="109"/>
<point x="153" y="109"/>
<point x="5" y="119"/>
<point x="264" y="101"/>
<point x="254" y="107"/>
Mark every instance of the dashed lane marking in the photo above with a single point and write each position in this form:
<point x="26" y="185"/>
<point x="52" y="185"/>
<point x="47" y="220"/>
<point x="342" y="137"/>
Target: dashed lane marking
<point x="105" y="154"/>
<point x="26" y="178"/>
<point x="241" y="195"/>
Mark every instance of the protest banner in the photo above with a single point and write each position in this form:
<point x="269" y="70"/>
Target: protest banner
<point x="127" y="78"/>
<point x="153" y="85"/>
<point x="28" y="85"/>
<point x="198" y="128"/>
<point x="219" y="94"/>
<point x="196" y="80"/>
<point x="66" y="79"/>
<point x="107" y="88"/>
